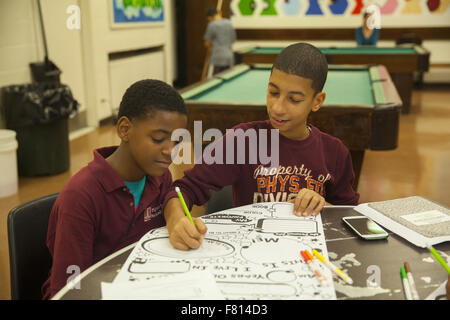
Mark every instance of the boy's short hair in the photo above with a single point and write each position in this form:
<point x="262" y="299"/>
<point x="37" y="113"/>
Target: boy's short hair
<point x="211" y="11"/>
<point x="144" y="97"/>
<point x="306" y="61"/>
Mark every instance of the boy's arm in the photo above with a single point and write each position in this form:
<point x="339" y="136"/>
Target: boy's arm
<point x="341" y="191"/>
<point x="195" y="187"/>
<point x="308" y="202"/>
<point x="73" y="241"/>
<point x="183" y="234"/>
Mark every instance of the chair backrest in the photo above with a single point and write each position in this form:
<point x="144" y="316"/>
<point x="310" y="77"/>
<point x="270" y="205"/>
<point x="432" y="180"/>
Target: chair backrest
<point x="30" y="260"/>
<point x="220" y="200"/>
<point x="408" y="38"/>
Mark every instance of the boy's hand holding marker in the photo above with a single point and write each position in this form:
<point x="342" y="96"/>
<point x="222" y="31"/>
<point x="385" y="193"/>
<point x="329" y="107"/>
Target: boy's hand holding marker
<point x="184" y="233"/>
<point x="307" y="202"/>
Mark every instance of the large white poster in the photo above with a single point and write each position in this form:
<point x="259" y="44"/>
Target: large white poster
<point x="252" y="252"/>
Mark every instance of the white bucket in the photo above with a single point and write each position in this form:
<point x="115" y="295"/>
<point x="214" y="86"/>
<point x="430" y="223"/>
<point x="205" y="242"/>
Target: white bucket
<point x="8" y="163"/>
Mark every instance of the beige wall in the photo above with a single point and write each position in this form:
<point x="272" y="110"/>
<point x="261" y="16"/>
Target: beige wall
<point x="18" y="48"/>
<point x="64" y="45"/>
<point x="81" y="54"/>
<point x="100" y="39"/>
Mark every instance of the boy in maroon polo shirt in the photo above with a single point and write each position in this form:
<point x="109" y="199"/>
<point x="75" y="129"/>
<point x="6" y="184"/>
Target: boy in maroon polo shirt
<point x="313" y="168"/>
<point x="118" y="197"/>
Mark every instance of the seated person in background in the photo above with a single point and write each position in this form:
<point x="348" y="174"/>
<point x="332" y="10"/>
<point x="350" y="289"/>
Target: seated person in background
<point x="219" y="38"/>
<point x="367" y="34"/>
<point x="118" y="197"/>
<point x="312" y="168"/>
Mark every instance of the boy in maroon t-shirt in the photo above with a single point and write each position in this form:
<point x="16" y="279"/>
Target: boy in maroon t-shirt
<point x="118" y="197"/>
<point x="313" y="168"/>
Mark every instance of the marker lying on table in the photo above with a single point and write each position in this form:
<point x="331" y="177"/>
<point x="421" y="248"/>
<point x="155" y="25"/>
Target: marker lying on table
<point x="405" y="284"/>
<point x="186" y="210"/>
<point x="412" y="284"/>
<point x="332" y="267"/>
<point x="314" y="268"/>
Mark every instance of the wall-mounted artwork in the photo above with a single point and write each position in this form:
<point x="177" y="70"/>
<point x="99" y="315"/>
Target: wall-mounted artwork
<point x="337" y="13"/>
<point x="136" y="13"/>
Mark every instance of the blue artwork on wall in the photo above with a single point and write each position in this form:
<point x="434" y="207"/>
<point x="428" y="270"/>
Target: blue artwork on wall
<point x="314" y="8"/>
<point x="125" y="11"/>
<point x="291" y="7"/>
<point x="338" y="6"/>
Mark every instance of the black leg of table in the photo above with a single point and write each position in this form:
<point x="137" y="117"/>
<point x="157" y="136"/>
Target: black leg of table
<point x="404" y="84"/>
<point x="357" y="160"/>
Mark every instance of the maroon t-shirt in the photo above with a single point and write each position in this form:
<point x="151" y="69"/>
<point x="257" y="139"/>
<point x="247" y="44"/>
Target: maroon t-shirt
<point x="320" y="162"/>
<point x="94" y="216"/>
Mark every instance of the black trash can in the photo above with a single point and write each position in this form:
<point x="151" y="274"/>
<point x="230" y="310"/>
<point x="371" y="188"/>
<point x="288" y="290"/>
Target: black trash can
<point x="39" y="114"/>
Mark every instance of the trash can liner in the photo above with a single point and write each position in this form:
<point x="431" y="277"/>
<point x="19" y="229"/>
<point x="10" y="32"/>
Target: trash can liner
<point x="39" y="114"/>
<point x="30" y="104"/>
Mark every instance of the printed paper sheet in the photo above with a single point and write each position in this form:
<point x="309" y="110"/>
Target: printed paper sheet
<point x="252" y="251"/>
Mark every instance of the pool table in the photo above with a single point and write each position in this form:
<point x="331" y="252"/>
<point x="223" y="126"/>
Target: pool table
<point x="401" y="62"/>
<point x="362" y="106"/>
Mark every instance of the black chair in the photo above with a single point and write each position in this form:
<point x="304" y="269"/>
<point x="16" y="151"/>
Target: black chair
<point x="408" y="38"/>
<point x="220" y="200"/>
<point x="30" y="260"/>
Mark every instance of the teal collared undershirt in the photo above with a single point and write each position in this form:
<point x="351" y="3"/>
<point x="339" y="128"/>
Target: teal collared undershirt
<point x="136" y="189"/>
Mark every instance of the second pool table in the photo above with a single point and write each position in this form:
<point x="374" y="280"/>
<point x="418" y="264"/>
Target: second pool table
<point x="362" y="106"/>
<point x="401" y="61"/>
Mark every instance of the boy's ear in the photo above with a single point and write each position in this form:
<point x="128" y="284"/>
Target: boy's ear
<point x="124" y="126"/>
<point x="318" y="101"/>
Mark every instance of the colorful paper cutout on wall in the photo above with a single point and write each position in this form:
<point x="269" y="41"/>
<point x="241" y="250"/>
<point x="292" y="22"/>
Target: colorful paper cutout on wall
<point x="291" y="7"/>
<point x="412" y="7"/>
<point x="389" y="7"/>
<point x="314" y="8"/>
<point x="358" y="7"/>
<point x="338" y="6"/>
<point x="246" y="7"/>
<point x="443" y="7"/>
<point x="269" y="8"/>
<point x="438" y="6"/>
<point x="433" y="5"/>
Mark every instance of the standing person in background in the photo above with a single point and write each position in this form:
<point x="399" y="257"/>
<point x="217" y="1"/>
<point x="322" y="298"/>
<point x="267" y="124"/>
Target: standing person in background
<point x="368" y="33"/>
<point x="219" y="37"/>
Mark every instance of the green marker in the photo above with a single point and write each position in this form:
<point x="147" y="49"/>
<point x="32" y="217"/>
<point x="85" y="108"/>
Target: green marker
<point x="406" y="287"/>
<point x="186" y="210"/>
<point x="438" y="258"/>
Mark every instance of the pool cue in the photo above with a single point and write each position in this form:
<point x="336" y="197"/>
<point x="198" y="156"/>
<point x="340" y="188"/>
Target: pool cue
<point x="206" y="65"/>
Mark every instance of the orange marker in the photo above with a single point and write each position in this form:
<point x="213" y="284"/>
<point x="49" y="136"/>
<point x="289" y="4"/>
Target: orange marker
<point x="313" y="266"/>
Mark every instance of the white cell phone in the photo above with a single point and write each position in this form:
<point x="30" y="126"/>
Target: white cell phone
<point x="365" y="228"/>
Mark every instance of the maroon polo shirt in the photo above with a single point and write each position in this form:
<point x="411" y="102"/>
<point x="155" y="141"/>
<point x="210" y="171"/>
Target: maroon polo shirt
<point x="94" y="216"/>
<point x="320" y="162"/>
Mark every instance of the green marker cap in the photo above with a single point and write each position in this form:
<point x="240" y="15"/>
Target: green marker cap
<point x="403" y="272"/>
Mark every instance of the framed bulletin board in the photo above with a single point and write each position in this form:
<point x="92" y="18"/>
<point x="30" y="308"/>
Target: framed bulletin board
<point x="136" y="13"/>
